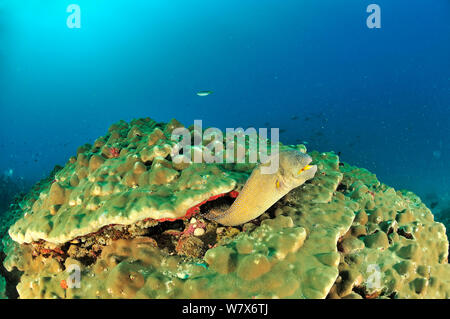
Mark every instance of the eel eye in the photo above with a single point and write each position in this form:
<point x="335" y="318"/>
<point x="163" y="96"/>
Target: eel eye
<point x="278" y="184"/>
<point x="307" y="167"/>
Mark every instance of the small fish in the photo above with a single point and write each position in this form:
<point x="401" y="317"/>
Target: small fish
<point x="204" y="93"/>
<point x="295" y="117"/>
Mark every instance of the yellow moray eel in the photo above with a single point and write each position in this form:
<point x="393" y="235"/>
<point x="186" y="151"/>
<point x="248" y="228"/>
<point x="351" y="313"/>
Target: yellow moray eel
<point x="263" y="190"/>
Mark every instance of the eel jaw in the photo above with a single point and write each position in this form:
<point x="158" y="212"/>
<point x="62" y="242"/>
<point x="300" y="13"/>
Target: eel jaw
<point x="308" y="172"/>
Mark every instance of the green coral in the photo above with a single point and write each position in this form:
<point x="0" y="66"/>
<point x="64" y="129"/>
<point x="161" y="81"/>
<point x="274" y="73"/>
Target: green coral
<point x="394" y="247"/>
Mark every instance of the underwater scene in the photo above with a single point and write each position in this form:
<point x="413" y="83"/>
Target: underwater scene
<point x="199" y="149"/>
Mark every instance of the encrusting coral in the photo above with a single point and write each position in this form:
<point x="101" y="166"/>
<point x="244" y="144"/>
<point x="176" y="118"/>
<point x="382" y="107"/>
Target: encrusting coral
<point x="2" y="288"/>
<point x="104" y="186"/>
<point x="135" y="225"/>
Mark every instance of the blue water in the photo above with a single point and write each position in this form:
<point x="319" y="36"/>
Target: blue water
<point x="381" y="97"/>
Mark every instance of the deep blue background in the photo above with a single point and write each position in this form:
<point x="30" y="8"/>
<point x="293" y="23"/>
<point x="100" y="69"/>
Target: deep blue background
<point x="380" y="97"/>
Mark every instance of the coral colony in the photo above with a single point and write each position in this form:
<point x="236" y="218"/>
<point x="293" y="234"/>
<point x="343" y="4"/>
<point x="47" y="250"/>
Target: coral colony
<point x="127" y="217"/>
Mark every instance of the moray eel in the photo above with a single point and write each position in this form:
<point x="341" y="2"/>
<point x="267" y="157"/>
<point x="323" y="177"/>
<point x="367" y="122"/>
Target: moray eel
<point x="263" y="190"/>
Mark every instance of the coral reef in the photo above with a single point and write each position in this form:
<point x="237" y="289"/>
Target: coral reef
<point x="443" y="216"/>
<point x="394" y="247"/>
<point x="129" y="222"/>
<point x="13" y="214"/>
<point x="104" y="186"/>
<point x="440" y="206"/>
